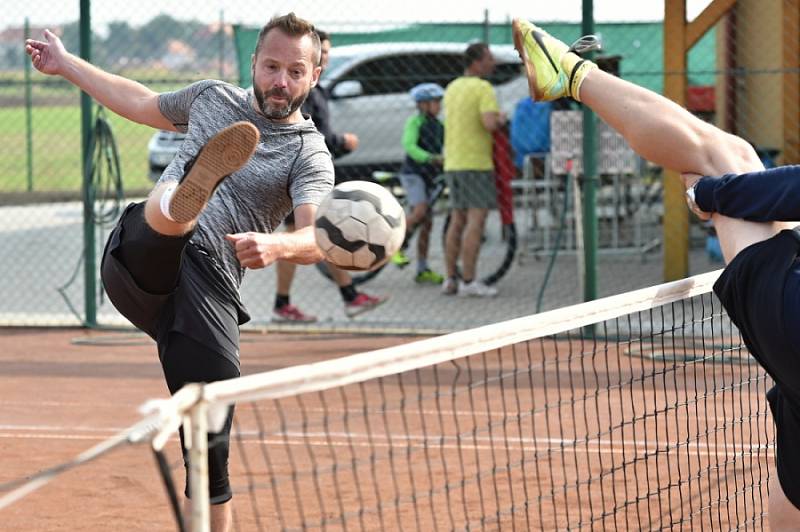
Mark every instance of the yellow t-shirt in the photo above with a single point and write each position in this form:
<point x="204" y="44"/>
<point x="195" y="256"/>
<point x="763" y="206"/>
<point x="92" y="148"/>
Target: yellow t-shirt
<point x="467" y="144"/>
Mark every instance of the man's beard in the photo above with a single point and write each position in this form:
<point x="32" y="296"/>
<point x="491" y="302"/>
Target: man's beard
<point x="274" y="112"/>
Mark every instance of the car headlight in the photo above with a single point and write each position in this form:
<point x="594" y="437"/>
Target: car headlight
<point x="162" y="159"/>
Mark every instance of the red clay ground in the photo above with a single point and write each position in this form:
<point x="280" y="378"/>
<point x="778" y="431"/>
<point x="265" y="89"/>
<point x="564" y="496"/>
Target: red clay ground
<point x="543" y="435"/>
<point x="60" y="396"/>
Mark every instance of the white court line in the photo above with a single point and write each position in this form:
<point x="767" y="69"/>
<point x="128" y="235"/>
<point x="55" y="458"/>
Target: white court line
<point x="106" y="404"/>
<point x="56" y="428"/>
<point x="346" y="439"/>
<point x="56" y="432"/>
<point x="40" y="436"/>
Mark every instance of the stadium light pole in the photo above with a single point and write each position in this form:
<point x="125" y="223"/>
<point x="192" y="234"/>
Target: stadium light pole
<point x="89" y="262"/>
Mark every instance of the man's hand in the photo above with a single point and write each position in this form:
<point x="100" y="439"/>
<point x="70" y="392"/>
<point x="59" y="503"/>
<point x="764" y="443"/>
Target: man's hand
<point x="350" y="141"/>
<point x="689" y="181"/>
<point x="49" y="56"/>
<point x="256" y="250"/>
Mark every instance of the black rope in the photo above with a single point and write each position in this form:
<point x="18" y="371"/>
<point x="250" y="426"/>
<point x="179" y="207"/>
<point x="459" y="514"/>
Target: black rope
<point x="169" y="485"/>
<point x="102" y="178"/>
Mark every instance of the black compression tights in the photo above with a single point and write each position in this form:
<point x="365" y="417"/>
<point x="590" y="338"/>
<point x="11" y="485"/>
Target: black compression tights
<point x="185" y="360"/>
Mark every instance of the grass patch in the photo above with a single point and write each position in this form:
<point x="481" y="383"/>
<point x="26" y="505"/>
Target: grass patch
<point x="56" y="149"/>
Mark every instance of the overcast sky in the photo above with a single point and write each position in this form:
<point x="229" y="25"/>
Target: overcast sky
<point x="327" y="12"/>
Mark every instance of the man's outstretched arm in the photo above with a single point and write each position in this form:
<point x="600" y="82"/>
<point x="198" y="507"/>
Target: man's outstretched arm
<point x="762" y="196"/>
<point x="125" y="97"/>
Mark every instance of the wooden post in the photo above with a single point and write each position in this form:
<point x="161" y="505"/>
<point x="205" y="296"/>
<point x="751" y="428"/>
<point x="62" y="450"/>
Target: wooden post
<point x="679" y="37"/>
<point x="676" y="217"/>
<point x="791" y="82"/>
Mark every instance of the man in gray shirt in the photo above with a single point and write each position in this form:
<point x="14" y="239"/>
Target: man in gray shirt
<point x="174" y="263"/>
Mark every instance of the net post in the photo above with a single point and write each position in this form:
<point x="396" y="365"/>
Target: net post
<point x="198" y="466"/>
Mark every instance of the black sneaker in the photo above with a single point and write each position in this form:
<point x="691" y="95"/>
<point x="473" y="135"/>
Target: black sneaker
<point x="223" y="154"/>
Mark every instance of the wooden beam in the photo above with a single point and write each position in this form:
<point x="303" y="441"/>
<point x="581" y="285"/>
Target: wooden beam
<point x="791" y="82"/>
<point x="710" y="16"/>
<point x="676" y="217"/>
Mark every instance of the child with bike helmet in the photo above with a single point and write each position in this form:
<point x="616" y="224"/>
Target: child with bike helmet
<point x="423" y="139"/>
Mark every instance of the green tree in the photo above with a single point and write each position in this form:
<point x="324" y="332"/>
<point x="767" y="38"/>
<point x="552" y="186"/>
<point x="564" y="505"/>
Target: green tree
<point x="122" y="42"/>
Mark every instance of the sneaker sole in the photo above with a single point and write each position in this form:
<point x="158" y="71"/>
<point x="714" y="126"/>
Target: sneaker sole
<point x="461" y="294"/>
<point x="277" y="319"/>
<point x="226" y="152"/>
<point x="356" y="312"/>
<point x="530" y="70"/>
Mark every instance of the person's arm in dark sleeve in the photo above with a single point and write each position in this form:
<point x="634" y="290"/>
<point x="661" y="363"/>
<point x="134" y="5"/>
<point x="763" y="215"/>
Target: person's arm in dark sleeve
<point x="317" y="106"/>
<point x="764" y="196"/>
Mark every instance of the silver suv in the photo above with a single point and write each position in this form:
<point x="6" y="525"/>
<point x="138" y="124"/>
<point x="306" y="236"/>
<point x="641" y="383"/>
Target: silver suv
<point x="368" y="86"/>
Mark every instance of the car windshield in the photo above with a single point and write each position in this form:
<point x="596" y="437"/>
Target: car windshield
<point x="334" y="62"/>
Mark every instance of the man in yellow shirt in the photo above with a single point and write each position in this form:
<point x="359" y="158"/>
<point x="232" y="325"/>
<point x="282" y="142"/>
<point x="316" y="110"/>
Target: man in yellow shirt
<point x="471" y="115"/>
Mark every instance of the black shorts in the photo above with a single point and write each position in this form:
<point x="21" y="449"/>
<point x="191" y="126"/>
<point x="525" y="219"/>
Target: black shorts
<point x="195" y="323"/>
<point x="203" y="305"/>
<point x="760" y="290"/>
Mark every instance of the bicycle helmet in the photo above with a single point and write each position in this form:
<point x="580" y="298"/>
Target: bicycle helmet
<point x="426" y="91"/>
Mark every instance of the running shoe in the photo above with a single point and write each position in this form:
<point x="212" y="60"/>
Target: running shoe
<point x="291" y="314"/>
<point x="476" y="289"/>
<point x="429" y="277"/>
<point x="554" y="71"/>
<point x="363" y="303"/>
<point x="400" y="259"/>
<point x="450" y="286"/>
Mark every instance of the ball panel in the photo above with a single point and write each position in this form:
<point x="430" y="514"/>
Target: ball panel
<point x="379" y="232"/>
<point x="364" y="258"/>
<point x="321" y="235"/>
<point x="340" y="257"/>
<point x="353" y="232"/>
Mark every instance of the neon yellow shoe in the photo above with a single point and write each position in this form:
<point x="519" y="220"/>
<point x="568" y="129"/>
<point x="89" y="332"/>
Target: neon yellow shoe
<point x="400" y="259"/>
<point x="429" y="277"/>
<point x="554" y="71"/>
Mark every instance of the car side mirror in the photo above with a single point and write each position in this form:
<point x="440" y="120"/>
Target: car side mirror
<point x="347" y="89"/>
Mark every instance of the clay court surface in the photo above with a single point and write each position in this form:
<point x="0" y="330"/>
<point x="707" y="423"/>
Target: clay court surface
<point x="541" y="435"/>
<point x="58" y="398"/>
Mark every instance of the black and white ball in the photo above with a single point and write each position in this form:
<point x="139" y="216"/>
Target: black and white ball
<point x="359" y="225"/>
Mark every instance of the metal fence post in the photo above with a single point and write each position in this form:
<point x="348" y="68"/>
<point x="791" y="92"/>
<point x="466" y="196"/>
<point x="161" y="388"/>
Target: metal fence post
<point x="89" y="263"/>
<point x="589" y="179"/>
<point x="28" y="113"/>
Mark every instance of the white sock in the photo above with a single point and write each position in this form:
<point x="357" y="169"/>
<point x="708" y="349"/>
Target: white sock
<point x="165" y="197"/>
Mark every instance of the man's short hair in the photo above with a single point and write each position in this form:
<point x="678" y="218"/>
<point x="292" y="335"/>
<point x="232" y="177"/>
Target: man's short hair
<point x="475" y="52"/>
<point x="293" y="26"/>
<point x="323" y="35"/>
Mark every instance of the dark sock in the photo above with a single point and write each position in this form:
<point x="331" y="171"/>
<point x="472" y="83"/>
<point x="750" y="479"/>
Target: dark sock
<point x="348" y="292"/>
<point x="281" y="300"/>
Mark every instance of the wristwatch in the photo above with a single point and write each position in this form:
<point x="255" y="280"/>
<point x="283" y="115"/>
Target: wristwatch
<point x="690" y="201"/>
<point x="690" y="192"/>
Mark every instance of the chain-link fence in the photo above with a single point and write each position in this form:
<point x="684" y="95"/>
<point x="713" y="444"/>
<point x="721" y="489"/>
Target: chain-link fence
<point x="742" y="75"/>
